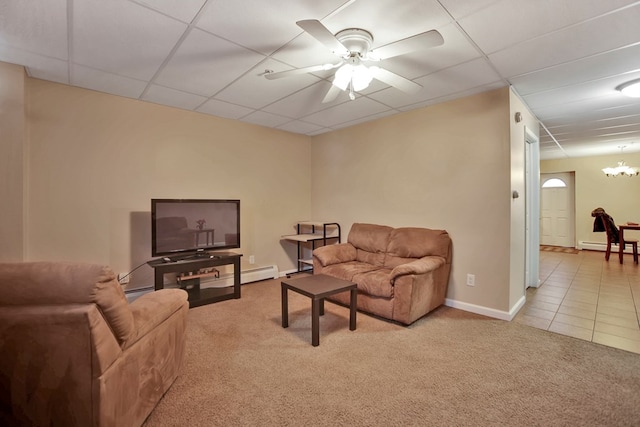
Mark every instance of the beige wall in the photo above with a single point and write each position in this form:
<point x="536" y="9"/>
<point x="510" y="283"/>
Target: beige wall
<point x="445" y="166"/>
<point x="12" y="175"/>
<point x="618" y="196"/>
<point x="96" y="160"/>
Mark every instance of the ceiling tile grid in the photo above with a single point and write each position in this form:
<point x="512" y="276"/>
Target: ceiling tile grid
<point x="564" y="58"/>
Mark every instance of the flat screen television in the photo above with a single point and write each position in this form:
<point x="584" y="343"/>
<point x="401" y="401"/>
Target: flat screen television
<point x="186" y="227"/>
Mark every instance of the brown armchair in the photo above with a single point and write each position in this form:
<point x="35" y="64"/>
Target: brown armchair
<point x="74" y="352"/>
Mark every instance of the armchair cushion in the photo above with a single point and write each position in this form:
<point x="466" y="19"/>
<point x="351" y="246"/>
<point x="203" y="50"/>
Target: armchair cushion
<point x="47" y="283"/>
<point x="153" y="308"/>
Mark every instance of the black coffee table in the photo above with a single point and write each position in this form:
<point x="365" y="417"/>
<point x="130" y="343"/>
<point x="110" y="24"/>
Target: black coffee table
<point x="318" y="287"/>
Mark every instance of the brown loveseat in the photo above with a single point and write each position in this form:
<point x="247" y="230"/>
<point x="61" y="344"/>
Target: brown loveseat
<point x="402" y="273"/>
<point x="74" y="352"/>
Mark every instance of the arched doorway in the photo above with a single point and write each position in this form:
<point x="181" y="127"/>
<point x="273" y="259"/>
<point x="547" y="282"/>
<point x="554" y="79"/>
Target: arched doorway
<point x="557" y="209"/>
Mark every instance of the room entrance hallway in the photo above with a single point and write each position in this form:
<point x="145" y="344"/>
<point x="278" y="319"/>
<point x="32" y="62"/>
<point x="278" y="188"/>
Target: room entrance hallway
<point x="584" y="296"/>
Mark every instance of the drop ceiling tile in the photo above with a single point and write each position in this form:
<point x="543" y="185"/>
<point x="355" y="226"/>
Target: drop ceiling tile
<point x="456" y="49"/>
<point x="390" y="20"/>
<point x="265" y="119"/>
<point x="260" y="25"/>
<point x="612" y="63"/>
<point x="298" y="126"/>
<point x="173" y="97"/>
<point x="305" y="51"/>
<point x="461" y="8"/>
<point x="450" y="81"/>
<point x="304" y="102"/>
<point x="122" y="37"/>
<point x="346" y="112"/>
<point x="224" y="109"/>
<point x="580" y="92"/>
<point x="183" y="10"/>
<point x="106" y="82"/>
<point x="510" y="22"/>
<point x="592" y="37"/>
<point x="205" y="64"/>
<point x="40" y="28"/>
<point x="602" y="108"/>
<point x="38" y="66"/>
<point x="255" y="91"/>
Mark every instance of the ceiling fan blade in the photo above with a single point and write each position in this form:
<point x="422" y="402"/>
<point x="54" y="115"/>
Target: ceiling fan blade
<point x="296" y="71"/>
<point x="319" y="32"/>
<point x="411" y="44"/>
<point x="332" y="94"/>
<point x="393" y="79"/>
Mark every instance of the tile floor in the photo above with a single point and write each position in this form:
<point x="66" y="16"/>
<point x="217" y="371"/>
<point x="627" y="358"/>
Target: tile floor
<point x="584" y="296"/>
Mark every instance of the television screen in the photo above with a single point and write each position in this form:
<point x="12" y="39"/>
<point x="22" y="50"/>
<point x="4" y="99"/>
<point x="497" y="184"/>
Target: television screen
<point x="182" y="226"/>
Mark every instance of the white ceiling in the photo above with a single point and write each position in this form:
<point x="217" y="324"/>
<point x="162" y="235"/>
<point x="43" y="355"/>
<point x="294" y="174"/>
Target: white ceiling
<point x="563" y="57"/>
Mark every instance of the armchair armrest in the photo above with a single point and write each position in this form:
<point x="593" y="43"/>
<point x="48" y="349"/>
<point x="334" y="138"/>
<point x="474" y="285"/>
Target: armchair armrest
<point x="335" y="254"/>
<point x="420" y="266"/>
<point x="153" y="308"/>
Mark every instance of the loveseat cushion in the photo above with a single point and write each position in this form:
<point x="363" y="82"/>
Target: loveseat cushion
<point x="409" y="243"/>
<point x="375" y="283"/>
<point x="335" y="254"/>
<point x="348" y="270"/>
<point x="370" y="241"/>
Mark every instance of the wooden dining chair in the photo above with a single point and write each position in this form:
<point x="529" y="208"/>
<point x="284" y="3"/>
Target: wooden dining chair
<point x="612" y="238"/>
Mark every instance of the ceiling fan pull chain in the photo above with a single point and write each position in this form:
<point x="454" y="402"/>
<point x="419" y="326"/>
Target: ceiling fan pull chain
<point x="352" y="95"/>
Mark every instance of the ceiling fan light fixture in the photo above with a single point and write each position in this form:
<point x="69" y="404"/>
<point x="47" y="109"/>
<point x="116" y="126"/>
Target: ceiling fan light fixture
<point x="358" y="75"/>
<point x="342" y="77"/>
<point x="361" y="77"/>
<point x="630" y="89"/>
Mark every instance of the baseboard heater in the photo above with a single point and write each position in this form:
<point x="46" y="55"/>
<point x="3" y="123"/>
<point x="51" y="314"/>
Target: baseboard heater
<point x="247" y="275"/>
<point x="599" y="246"/>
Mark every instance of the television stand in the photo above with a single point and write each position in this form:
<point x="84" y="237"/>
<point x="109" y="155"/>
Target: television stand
<point x="198" y="296"/>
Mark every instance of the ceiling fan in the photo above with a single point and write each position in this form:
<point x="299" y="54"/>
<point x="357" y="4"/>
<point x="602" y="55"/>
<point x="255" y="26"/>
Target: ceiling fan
<point x="353" y="47"/>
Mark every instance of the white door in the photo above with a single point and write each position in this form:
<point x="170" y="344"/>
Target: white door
<point x="557" y="209"/>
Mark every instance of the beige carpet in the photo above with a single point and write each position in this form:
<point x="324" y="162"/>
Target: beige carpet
<point x="450" y="368"/>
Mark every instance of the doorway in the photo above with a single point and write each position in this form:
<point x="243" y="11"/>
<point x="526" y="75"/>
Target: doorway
<point x="557" y="209"/>
<point x="532" y="209"/>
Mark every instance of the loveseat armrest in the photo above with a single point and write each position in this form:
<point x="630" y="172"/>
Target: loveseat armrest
<point x="153" y="308"/>
<point x="335" y="254"/>
<point x="420" y="266"/>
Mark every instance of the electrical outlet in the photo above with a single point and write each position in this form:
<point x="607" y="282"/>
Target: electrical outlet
<point x="471" y="279"/>
<point x="123" y="278"/>
<point x="252" y="259"/>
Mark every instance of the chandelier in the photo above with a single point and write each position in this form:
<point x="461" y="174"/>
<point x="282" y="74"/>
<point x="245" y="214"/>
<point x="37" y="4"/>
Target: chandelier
<point x="621" y="168"/>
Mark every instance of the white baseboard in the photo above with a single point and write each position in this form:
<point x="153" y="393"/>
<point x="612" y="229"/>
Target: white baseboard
<point x="599" y="246"/>
<point x="485" y="311"/>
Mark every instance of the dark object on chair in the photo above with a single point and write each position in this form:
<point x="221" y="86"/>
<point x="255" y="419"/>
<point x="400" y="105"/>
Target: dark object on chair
<point x="604" y="221"/>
